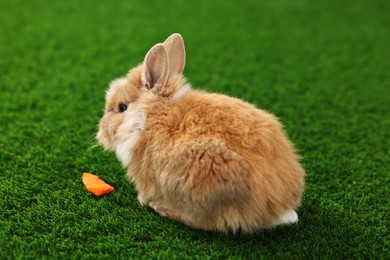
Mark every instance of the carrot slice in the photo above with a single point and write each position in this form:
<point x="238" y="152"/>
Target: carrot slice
<point x="95" y="185"/>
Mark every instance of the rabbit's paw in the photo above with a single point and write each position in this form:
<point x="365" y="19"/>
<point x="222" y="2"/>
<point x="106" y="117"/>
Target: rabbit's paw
<point x="168" y="213"/>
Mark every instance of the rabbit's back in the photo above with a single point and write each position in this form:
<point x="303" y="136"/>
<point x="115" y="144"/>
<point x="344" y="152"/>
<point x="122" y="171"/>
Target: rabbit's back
<point x="245" y="129"/>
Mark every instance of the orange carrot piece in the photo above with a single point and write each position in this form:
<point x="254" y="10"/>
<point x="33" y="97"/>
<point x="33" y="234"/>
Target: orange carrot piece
<point x="95" y="185"/>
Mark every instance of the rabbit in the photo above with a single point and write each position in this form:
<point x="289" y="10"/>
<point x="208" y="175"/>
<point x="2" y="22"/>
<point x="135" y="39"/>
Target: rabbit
<point x="210" y="161"/>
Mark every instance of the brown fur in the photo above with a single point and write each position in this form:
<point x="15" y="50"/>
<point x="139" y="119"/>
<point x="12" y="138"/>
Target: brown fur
<point x="210" y="161"/>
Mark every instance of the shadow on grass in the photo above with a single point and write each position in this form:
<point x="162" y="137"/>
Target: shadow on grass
<point x="318" y="233"/>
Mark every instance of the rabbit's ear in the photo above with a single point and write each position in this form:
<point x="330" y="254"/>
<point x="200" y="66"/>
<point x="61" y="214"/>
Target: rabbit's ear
<point x="155" y="69"/>
<point x="174" y="45"/>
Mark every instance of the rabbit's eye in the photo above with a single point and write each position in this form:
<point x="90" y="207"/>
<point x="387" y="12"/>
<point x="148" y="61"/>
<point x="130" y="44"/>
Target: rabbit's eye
<point x="122" y="107"/>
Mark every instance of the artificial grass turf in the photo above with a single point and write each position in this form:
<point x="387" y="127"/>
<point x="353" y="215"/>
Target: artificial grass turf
<point x="322" y="67"/>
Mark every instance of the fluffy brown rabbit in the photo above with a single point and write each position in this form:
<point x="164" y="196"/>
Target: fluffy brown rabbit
<point x="210" y="161"/>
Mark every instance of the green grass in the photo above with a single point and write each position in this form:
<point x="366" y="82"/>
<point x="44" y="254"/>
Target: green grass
<point x="321" y="66"/>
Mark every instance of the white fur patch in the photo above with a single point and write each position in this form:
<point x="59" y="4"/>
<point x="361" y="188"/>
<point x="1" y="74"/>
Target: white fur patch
<point x="181" y="92"/>
<point x="129" y="133"/>
<point x="288" y="218"/>
<point x="111" y="90"/>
